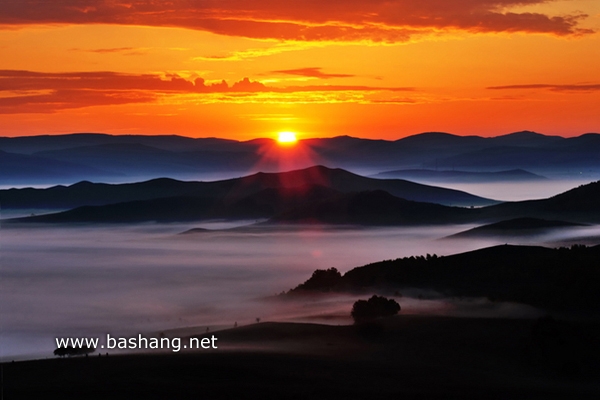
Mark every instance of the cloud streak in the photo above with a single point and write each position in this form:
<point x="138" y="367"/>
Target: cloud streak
<point x="129" y="51"/>
<point x="303" y="20"/>
<point x="311" y="72"/>
<point x="40" y="92"/>
<point x="555" y="88"/>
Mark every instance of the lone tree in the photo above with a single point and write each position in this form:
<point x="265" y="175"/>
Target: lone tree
<point x="375" y="307"/>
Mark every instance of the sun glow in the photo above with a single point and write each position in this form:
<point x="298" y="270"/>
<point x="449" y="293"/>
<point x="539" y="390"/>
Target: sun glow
<point x="287" y="138"/>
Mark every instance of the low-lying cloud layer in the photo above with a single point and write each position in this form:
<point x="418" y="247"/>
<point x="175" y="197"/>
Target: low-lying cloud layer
<point x="89" y="281"/>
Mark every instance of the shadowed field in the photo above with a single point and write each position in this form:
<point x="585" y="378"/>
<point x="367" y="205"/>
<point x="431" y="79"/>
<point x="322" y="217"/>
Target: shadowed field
<point x="408" y="356"/>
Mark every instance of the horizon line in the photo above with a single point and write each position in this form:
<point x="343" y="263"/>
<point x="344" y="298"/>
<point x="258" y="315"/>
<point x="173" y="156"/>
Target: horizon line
<point x="259" y="138"/>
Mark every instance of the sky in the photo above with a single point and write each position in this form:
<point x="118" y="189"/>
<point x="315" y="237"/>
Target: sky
<point x="238" y="69"/>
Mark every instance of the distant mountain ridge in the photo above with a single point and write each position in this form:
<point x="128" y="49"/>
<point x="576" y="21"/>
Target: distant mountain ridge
<point x="183" y="158"/>
<point x="16" y="168"/>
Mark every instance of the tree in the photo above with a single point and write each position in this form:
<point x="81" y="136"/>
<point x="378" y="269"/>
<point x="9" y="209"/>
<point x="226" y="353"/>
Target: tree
<point x="375" y="307"/>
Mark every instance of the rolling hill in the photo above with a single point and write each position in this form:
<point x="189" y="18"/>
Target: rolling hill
<point x="373" y="208"/>
<point x="581" y="204"/>
<point x="262" y="204"/>
<point x="95" y="194"/>
<point x="556" y="279"/>
<point x="577" y="206"/>
<point x="316" y="194"/>
<point x="514" y="175"/>
<point x="514" y="227"/>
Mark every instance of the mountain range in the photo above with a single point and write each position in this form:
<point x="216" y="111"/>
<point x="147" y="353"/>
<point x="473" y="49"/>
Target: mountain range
<point x="316" y="194"/>
<point x="261" y="195"/>
<point x="102" y="157"/>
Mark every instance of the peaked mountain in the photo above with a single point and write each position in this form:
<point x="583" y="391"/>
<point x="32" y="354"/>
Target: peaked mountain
<point x="86" y="193"/>
<point x="347" y="182"/>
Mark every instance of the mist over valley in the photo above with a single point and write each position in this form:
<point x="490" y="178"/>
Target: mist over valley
<point x="192" y="246"/>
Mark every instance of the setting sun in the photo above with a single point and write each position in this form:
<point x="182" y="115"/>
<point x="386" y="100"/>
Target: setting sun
<point x="287" y="138"/>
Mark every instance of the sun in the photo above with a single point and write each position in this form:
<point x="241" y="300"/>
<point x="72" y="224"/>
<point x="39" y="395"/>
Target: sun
<point x="287" y="138"/>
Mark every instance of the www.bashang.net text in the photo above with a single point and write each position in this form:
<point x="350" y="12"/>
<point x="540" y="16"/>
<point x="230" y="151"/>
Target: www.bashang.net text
<point x="138" y="343"/>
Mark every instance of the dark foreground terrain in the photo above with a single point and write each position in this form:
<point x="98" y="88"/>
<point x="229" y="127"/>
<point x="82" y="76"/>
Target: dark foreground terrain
<point x="405" y="357"/>
<point x="564" y="279"/>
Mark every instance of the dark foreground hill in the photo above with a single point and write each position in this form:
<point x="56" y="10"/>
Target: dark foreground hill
<point x="406" y="357"/>
<point x="556" y="279"/>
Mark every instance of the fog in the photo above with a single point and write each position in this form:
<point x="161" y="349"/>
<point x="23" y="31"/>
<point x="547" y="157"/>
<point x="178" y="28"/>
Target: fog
<point x="514" y="191"/>
<point x="124" y="280"/>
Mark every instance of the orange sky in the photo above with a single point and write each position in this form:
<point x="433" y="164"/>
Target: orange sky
<point x="240" y="69"/>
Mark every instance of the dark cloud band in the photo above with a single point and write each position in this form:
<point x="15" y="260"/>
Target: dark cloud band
<point x="305" y="20"/>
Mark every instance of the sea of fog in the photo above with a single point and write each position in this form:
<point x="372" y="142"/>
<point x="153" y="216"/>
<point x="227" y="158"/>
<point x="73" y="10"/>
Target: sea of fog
<point x="148" y="278"/>
<point x="515" y="191"/>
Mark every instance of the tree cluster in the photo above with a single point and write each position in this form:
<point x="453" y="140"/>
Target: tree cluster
<point x="375" y="307"/>
<point x="73" y="351"/>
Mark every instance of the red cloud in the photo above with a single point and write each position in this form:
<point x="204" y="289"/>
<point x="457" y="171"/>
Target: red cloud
<point x="65" y="99"/>
<point x="27" y="91"/>
<point x="377" y="20"/>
